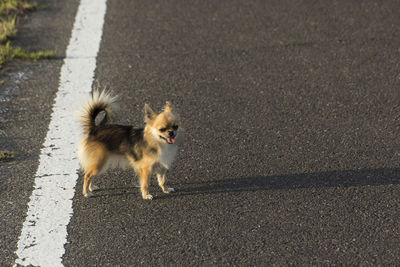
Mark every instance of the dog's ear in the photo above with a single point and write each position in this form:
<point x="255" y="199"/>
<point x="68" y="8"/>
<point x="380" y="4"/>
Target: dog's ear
<point x="149" y="114"/>
<point x="168" y="107"/>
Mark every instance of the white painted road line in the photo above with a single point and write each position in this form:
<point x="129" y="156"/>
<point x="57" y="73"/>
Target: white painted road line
<point x="44" y="231"/>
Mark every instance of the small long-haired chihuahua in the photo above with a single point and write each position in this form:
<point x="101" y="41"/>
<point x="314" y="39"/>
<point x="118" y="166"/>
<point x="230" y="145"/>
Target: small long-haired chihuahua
<point x="147" y="150"/>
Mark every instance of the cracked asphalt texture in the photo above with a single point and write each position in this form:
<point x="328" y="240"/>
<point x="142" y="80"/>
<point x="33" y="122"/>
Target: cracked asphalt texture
<point x="291" y="118"/>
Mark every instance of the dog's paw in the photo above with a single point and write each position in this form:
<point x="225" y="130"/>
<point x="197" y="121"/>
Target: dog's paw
<point x="147" y="196"/>
<point x="168" y="190"/>
<point x="93" y="188"/>
<point x="88" y="194"/>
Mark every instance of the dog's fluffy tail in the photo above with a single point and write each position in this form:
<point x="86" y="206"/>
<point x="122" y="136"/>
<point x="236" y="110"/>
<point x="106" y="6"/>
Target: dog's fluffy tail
<point x="98" y="102"/>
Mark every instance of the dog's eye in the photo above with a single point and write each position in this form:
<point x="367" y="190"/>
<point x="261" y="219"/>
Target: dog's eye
<point x="175" y="127"/>
<point x="163" y="129"/>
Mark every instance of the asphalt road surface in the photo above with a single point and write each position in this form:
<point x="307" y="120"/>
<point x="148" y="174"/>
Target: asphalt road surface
<point x="291" y="118"/>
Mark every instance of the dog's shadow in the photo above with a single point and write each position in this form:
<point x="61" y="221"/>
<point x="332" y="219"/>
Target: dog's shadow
<point x="116" y="191"/>
<point x="347" y="178"/>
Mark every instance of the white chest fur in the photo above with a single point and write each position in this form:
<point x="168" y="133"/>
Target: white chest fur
<point x="167" y="154"/>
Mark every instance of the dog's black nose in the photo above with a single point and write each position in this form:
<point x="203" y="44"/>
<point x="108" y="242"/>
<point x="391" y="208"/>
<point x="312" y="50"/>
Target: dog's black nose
<point x="171" y="134"/>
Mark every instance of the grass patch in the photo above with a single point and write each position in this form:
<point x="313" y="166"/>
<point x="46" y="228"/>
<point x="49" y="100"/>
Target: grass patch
<point x="9" y="10"/>
<point x="8" y="7"/>
<point x="23" y="54"/>
<point x="8" y="52"/>
<point x="7" y="29"/>
<point x="6" y="155"/>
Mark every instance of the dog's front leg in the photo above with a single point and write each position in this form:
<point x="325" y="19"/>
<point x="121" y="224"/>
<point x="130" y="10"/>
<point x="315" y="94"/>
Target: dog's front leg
<point x="161" y="177"/>
<point x="144" y="174"/>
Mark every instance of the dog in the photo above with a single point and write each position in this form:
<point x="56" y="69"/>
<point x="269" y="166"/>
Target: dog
<point x="147" y="150"/>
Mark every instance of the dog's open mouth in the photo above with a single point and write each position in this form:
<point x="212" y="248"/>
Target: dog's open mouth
<point x="169" y="140"/>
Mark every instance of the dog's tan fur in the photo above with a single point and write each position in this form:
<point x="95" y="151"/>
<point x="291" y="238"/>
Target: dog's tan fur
<point x="149" y="150"/>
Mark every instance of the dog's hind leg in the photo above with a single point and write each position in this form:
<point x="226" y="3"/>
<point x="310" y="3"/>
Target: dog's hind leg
<point x="92" y="187"/>
<point x="98" y="158"/>
<point x="88" y="180"/>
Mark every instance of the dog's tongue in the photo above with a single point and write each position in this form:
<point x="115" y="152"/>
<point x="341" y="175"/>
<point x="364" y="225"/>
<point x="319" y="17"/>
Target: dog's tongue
<point x="171" y="140"/>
